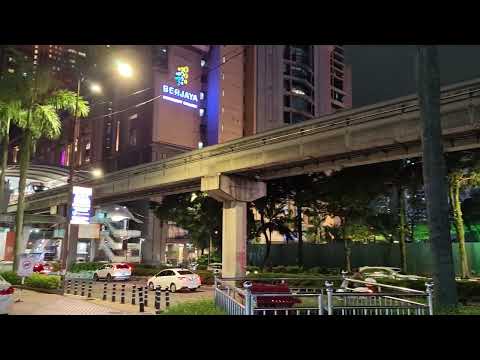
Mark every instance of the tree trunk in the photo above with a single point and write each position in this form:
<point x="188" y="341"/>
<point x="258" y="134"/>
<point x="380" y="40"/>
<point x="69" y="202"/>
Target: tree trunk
<point x="434" y="176"/>
<point x="25" y="150"/>
<point x="300" y="237"/>
<point x="459" y="228"/>
<point x="4" y="159"/>
<point x="348" y="249"/>
<point x="267" y="240"/>
<point x="402" y="231"/>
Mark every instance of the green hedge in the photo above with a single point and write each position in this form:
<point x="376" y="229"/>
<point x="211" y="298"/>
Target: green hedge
<point x="43" y="281"/>
<point x="11" y="277"/>
<point x="34" y="280"/>
<point x="206" y="277"/>
<point x="87" y="266"/>
<point x="202" y="307"/>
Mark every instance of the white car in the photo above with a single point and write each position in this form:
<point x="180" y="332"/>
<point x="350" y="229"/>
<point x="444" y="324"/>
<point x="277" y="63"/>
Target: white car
<point x="113" y="272"/>
<point x="175" y="279"/>
<point x="378" y="272"/>
<point x="6" y="296"/>
<point x="215" y="267"/>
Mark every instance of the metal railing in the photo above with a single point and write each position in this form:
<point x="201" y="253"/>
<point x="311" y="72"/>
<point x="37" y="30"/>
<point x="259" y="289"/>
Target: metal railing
<point x="229" y="298"/>
<point x="323" y="301"/>
<point x="398" y="301"/>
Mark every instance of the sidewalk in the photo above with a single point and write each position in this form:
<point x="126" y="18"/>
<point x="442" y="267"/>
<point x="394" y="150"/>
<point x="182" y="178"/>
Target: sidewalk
<point x="35" y="303"/>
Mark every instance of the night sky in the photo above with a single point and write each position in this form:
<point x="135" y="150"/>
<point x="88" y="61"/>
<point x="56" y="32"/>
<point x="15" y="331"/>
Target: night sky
<point x="383" y="72"/>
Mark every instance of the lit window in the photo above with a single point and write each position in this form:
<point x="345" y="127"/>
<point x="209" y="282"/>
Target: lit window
<point x="203" y="63"/>
<point x="223" y="59"/>
<point x="50" y="56"/>
<point x="223" y="76"/>
<point x="35" y="62"/>
<point x="11" y="71"/>
<point x="297" y="91"/>
<point x="223" y="92"/>
<point x="87" y="146"/>
<point x="223" y="109"/>
<point x="82" y="54"/>
<point x="35" y="56"/>
<point x="200" y="145"/>
<point x="164" y="50"/>
<point x="202" y="95"/>
<point x="201" y="112"/>
<point x="10" y="59"/>
<point x="117" y="142"/>
<point x="15" y="154"/>
<point x="36" y="51"/>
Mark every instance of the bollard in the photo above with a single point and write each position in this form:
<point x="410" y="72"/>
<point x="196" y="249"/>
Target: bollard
<point x="75" y="290"/>
<point x="114" y="287"/>
<point x="167" y="298"/>
<point x="429" y="291"/>
<point x="158" y="296"/>
<point x="140" y="299"/>
<point x="104" y="291"/>
<point x="122" y="295"/>
<point x="248" y="298"/>
<point x="82" y="293"/>
<point x="89" y="289"/>
<point x="145" y="300"/>
<point x="329" y="287"/>
<point x="134" y="295"/>
<point x="69" y="284"/>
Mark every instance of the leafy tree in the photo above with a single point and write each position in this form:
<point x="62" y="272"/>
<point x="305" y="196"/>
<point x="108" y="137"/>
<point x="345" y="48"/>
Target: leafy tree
<point x="273" y="213"/>
<point x="463" y="173"/>
<point x="42" y="105"/>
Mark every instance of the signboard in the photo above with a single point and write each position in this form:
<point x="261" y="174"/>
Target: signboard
<point x="91" y="231"/>
<point x="81" y="205"/>
<point x="26" y="263"/>
<point x="177" y="95"/>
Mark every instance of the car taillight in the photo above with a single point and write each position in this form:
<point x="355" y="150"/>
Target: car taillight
<point x="8" y="291"/>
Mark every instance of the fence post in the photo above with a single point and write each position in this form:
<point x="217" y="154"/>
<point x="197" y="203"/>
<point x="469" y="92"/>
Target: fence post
<point x="140" y="299"/>
<point x="122" y="294"/>
<point x="104" y="297"/>
<point x="248" y="298"/>
<point x="134" y="294"/>
<point x="430" y="297"/>
<point x="158" y="296"/>
<point x="145" y="300"/>
<point x="320" y="302"/>
<point x="329" y="286"/>
<point x="167" y="298"/>
<point x="114" y="288"/>
<point x="82" y="293"/>
<point x="215" y="286"/>
<point x="89" y="295"/>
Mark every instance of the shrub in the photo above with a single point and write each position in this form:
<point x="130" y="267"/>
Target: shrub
<point x="203" y="307"/>
<point x="279" y="269"/>
<point x="141" y="271"/>
<point x="43" y="281"/>
<point x="55" y="266"/>
<point x="12" y="277"/>
<point x="207" y="277"/>
<point x="293" y="269"/>
<point x="88" y="266"/>
<point x="253" y="269"/>
<point x="202" y="267"/>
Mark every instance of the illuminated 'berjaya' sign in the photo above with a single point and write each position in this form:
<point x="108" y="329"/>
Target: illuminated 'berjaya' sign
<point x="181" y="96"/>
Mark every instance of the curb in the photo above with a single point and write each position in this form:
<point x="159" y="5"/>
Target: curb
<point x="47" y="291"/>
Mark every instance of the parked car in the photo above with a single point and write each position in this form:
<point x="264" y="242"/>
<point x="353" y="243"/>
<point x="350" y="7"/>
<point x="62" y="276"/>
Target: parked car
<point x="215" y="267"/>
<point x="6" y="296"/>
<point x="42" y="268"/>
<point x="175" y="279"/>
<point x="378" y="272"/>
<point x="118" y="271"/>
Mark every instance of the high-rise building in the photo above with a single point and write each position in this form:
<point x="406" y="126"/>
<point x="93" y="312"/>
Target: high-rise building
<point x="294" y="83"/>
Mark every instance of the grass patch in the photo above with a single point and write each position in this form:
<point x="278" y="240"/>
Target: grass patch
<point x="203" y="307"/>
<point x="460" y="310"/>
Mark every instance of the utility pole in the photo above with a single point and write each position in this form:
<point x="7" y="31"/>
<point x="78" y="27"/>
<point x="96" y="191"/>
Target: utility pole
<point x="435" y="176"/>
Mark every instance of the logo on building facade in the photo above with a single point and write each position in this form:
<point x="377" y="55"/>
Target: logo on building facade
<point x="179" y="96"/>
<point x="181" y="76"/>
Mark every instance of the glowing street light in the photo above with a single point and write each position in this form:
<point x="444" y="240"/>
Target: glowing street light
<point x="95" y="88"/>
<point x="124" y="69"/>
<point x="97" y="173"/>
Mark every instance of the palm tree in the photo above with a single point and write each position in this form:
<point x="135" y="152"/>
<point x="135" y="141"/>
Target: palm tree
<point x="41" y="118"/>
<point x="435" y="176"/>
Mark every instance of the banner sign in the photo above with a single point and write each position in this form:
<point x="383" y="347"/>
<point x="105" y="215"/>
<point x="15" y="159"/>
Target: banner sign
<point x="81" y="205"/>
<point x="27" y="262"/>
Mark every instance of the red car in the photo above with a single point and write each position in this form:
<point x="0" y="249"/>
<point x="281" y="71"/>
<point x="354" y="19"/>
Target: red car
<point x="42" y="268"/>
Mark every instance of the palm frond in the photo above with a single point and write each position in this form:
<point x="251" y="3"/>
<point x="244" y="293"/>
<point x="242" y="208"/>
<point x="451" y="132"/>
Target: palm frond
<point x="45" y="122"/>
<point x="67" y="100"/>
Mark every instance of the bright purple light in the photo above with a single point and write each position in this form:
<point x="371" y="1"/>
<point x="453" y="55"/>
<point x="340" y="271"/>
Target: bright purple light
<point x="63" y="158"/>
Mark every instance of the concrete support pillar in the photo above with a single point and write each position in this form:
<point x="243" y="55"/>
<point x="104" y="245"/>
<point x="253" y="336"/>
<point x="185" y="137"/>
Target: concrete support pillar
<point x="153" y="251"/>
<point x="234" y="192"/>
